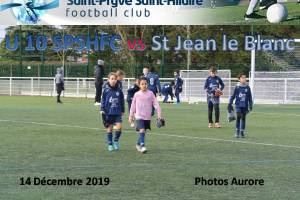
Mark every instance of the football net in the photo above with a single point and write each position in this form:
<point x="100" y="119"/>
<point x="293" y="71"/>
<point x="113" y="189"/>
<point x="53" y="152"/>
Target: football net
<point x="280" y="82"/>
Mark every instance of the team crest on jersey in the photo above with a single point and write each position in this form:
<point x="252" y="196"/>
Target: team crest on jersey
<point x="246" y="90"/>
<point x="117" y="93"/>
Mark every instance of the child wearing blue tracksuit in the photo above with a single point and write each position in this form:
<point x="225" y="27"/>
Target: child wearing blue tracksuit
<point x="178" y="86"/>
<point x="153" y="81"/>
<point x="166" y="90"/>
<point x="243" y="104"/>
<point x="213" y="86"/>
<point x="131" y="91"/>
<point x="112" y="109"/>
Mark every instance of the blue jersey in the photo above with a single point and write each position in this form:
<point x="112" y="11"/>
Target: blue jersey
<point x="131" y="91"/>
<point x="166" y="88"/>
<point x="212" y="84"/>
<point x="178" y="83"/>
<point x="242" y="95"/>
<point x="112" y="102"/>
<point x="153" y="82"/>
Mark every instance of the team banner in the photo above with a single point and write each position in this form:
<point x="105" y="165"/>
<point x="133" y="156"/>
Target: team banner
<point x="148" y="12"/>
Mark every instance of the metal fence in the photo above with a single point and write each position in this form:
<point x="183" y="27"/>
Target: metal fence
<point x="266" y="90"/>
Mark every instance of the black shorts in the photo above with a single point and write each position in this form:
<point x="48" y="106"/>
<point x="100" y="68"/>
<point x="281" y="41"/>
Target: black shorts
<point x="143" y="124"/>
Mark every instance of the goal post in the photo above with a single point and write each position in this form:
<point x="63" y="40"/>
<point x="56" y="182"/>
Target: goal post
<point x="278" y="85"/>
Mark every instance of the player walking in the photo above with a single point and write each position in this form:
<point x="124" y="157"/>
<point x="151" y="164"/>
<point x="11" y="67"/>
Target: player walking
<point x="112" y="109"/>
<point x="243" y="104"/>
<point x="140" y="111"/>
<point x="213" y="87"/>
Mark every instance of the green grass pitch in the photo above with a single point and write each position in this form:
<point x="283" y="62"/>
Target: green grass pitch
<point x="39" y="138"/>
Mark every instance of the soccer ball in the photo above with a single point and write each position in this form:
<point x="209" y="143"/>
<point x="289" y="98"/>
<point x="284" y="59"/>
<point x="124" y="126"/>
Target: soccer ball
<point x="277" y="13"/>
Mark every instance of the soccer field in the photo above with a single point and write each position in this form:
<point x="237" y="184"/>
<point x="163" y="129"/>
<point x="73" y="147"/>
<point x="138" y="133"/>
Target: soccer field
<point x="234" y="15"/>
<point x="39" y="138"/>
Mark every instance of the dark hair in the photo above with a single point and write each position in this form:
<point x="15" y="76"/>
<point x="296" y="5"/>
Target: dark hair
<point x="142" y="78"/>
<point x="152" y="69"/>
<point x="177" y="72"/>
<point x="240" y="75"/>
<point x="213" y="69"/>
<point x="172" y="83"/>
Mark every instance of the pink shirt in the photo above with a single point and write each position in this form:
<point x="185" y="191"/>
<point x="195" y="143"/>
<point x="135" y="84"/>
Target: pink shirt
<point x="141" y="106"/>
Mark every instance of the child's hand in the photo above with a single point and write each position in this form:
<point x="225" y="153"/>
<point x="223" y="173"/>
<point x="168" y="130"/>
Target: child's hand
<point x="102" y="112"/>
<point x="130" y="120"/>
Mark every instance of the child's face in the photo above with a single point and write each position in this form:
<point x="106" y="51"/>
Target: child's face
<point x="243" y="79"/>
<point x="112" y="80"/>
<point x="136" y="81"/>
<point x="143" y="85"/>
<point x="120" y="78"/>
<point x="175" y="73"/>
<point x="212" y="74"/>
<point x="145" y="71"/>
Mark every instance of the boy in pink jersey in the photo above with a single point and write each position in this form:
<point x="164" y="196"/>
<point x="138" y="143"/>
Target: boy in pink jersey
<point x="141" y="109"/>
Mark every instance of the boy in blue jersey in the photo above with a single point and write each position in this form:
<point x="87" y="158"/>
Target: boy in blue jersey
<point x="243" y="104"/>
<point x="178" y="86"/>
<point x="120" y="76"/>
<point x="153" y="81"/>
<point x="131" y="91"/>
<point x="166" y="90"/>
<point x="213" y="87"/>
<point x="112" y="109"/>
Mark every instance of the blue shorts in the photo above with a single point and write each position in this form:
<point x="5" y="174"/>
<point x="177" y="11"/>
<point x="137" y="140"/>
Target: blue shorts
<point x="143" y="124"/>
<point x="113" y="119"/>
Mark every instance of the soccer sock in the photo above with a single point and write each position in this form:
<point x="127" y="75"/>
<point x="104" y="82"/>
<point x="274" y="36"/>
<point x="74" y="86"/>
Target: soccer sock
<point x="251" y="6"/>
<point x="139" y="140"/>
<point x="117" y="136"/>
<point x="142" y="139"/>
<point x="109" y="138"/>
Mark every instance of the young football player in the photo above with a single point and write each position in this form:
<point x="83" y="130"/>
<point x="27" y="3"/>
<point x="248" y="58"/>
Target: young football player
<point x="120" y="76"/>
<point x="178" y="86"/>
<point x="59" y="82"/>
<point x="131" y="91"/>
<point x="263" y="4"/>
<point x="153" y="81"/>
<point x="112" y="109"/>
<point x="166" y="90"/>
<point x="213" y="87"/>
<point x="140" y="111"/>
<point x="243" y="104"/>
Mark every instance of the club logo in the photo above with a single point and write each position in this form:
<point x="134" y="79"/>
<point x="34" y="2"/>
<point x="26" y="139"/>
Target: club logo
<point x="29" y="11"/>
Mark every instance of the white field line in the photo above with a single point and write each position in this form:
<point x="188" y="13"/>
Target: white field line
<point x="159" y="134"/>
